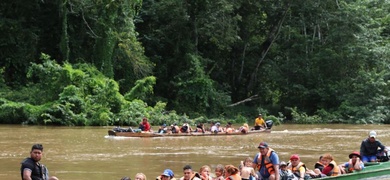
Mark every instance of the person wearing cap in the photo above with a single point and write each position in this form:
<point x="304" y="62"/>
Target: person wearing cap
<point x="259" y="122"/>
<point x="354" y="164"/>
<point x="267" y="162"/>
<point x="189" y="174"/>
<point x="285" y="174"/>
<point x="163" y="129"/>
<point x="214" y="127"/>
<point x="297" y="167"/>
<point x="369" y="148"/>
<point x="174" y="128"/>
<point x="166" y="175"/>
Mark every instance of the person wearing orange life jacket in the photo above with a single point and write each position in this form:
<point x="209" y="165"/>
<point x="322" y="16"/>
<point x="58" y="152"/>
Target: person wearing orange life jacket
<point x="267" y="161"/>
<point x="330" y="168"/>
<point x="232" y="173"/>
<point x="354" y="163"/>
<point x="297" y="167"/>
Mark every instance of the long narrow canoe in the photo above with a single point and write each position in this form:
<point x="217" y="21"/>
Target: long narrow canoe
<point x="147" y="134"/>
<point x="371" y="170"/>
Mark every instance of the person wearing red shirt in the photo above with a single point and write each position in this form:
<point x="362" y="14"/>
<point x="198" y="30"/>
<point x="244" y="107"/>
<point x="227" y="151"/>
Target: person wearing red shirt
<point x="144" y="126"/>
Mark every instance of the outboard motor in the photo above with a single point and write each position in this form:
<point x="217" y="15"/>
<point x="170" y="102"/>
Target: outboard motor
<point x="269" y="124"/>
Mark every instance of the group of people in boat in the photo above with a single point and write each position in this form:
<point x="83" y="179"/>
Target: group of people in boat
<point x="215" y="127"/>
<point x="266" y="165"/>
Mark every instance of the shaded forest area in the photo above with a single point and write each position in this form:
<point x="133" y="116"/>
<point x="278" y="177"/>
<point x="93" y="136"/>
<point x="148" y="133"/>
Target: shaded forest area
<point x="112" y="62"/>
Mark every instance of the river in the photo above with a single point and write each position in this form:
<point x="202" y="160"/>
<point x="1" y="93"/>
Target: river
<point x="86" y="153"/>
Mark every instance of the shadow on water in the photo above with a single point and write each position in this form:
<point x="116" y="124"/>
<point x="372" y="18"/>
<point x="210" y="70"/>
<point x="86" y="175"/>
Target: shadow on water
<point x="85" y="153"/>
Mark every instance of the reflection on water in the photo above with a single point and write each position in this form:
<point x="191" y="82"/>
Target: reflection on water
<point x="85" y="153"/>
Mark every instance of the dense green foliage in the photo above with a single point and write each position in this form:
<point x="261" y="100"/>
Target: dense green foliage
<point x="114" y="61"/>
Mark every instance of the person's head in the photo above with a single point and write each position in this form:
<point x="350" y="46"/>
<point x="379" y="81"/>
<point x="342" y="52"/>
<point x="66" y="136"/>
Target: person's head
<point x="140" y="176"/>
<point x="187" y="170"/>
<point x="167" y="174"/>
<point x="205" y="170"/>
<point x="372" y="136"/>
<point x="260" y="115"/>
<point x="263" y="148"/>
<point x="248" y="162"/>
<point x="326" y="159"/>
<point x="36" y="152"/>
<point x="294" y="159"/>
<point x="219" y="170"/>
<point x="126" y="178"/>
<point x="354" y="155"/>
<point x="144" y="119"/>
<point x="218" y="124"/>
<point x="283" y="165"/>
<point x="230" y="170"/>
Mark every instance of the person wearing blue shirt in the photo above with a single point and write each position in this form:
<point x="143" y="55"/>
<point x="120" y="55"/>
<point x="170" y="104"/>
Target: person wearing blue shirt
<point x="267" y="161"/>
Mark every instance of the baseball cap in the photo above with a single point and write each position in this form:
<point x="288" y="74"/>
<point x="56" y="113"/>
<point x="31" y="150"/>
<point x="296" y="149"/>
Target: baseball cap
<point x="263" y="145"/>
<point x="294" y="156"/>
<point x="168" y="172"/>
<point x="283" y="163"/>
<point x="372" y="134"/>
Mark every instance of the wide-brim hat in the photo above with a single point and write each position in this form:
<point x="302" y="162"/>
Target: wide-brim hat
<point x="354" y="153"/>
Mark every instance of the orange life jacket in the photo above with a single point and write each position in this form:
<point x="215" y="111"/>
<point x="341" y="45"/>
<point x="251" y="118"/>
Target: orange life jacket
<point x="336" y="170"/>
<point x="267" y="162"/>
<point x="295" y="170"/>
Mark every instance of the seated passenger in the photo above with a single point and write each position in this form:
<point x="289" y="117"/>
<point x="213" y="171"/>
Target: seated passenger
<point x="354" y="164"/>
<point x="285" y="174"/>
<point x="330" y="168"/>
<point x="163" y="129"/>
<point x="297" y="167"/>
<point x="186" y="128"/>
<point x="229" y="128"/>
<point x="244" y="128"/>
<point x="175" y="128"/>
<point x="200" y="128"/>
<point x="247" y="171"/>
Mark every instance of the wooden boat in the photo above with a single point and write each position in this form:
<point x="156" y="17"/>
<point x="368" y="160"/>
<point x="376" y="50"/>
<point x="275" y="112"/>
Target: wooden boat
<point x="150" y="134"/>
<point x="371" y="170"/>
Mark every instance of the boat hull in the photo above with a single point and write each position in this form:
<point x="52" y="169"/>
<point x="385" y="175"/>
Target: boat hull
<point x="148" y="134"/>
<point x="371" y="170"/>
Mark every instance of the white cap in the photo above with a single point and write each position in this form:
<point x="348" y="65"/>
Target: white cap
<point x="372" y="134"/>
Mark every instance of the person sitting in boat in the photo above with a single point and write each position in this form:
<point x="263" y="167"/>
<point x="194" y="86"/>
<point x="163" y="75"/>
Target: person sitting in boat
<point x="216" y="128"/>
<point x="247" y="171"/>
<point x="166" y="175"/>
<point x="175" y="128"/>
<point x="204" y="173"/>
<point x="285" y="174"/>
<point x="318" y="165"/>
<point x="229" y="128"/>
<point x="163" y="129"/>
<point x="232" y="173"/>
<point x="244" y="128"/>
<point x="140" y="176"/>
<point x="260" y="123"/>
<point x="185" y="128"/>
<point x="330" y="168"/>
<point x="219" y="172"/>
<point x="189" y="174"/>
<point x="144" y="125"/>
<point x="369" y="148"/>
<point x="354" y="164"/>
<point x="297" y="167"/>
<point x="200" y="128"/>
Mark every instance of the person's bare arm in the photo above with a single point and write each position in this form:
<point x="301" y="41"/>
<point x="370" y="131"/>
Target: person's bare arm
<point x="26" y="174"/>
<point x="276" y="167"/>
